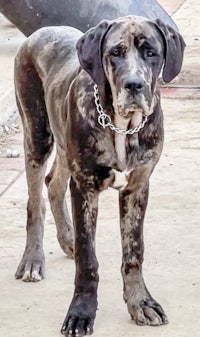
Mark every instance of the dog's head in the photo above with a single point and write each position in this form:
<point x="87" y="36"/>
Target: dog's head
<point x="125" y="58"/>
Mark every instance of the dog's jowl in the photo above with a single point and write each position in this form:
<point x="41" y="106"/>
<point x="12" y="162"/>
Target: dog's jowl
<point x="96" y="97"/>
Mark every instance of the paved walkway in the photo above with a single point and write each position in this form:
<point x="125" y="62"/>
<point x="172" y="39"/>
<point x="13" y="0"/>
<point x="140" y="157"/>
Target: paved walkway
<point x="171" y="6"/>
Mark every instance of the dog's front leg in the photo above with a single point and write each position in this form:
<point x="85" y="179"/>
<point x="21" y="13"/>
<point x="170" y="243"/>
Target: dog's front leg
<point x="141" y="306"/>
<point x="82" y="311"/>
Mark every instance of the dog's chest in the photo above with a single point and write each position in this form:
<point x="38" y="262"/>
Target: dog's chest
<point x="123" y="143"/>
<point x="120" y="148"/>
<point x="124" y="167"/>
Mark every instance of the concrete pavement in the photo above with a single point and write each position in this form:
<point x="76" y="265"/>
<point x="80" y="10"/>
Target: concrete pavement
<point x="10" y="40"/>
<point x="172" y="242"/>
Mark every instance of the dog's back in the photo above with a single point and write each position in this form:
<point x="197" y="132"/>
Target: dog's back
<point x="49" y="51"/>
<point x="49" y="47"/>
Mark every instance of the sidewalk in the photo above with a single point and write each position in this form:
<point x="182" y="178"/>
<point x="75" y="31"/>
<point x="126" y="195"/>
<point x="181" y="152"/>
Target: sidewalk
<point x="10" y="40"/>
<point x="172" y="241"/>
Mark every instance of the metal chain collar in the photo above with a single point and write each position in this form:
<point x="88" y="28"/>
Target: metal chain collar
<point x="105" y="120"/>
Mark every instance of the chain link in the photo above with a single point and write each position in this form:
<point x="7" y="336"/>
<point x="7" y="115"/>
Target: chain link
<point x="105" y="120"/>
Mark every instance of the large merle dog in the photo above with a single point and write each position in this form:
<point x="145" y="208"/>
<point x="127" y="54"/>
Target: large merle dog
<point x="96" y="96"/>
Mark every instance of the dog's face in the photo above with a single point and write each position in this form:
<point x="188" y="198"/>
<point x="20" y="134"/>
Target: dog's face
<point x="133" y="54"/>
<point x="128" y="54"/>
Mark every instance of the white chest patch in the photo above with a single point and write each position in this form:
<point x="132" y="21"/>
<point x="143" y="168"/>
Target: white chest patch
<point x="120" y="179"/>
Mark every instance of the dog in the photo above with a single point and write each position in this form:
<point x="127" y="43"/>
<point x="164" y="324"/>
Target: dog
<point x="96" y="96"/>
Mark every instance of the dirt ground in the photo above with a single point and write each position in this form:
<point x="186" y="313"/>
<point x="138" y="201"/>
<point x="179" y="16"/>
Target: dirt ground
<point x="172" y="244"/>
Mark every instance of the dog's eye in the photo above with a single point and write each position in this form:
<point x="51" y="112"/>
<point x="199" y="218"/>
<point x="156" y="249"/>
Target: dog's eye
<point x="117" y="51"/>
<point x="150" y="53"/>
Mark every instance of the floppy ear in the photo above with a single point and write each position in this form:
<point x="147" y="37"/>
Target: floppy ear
<point x="174" y="48"/>
<point x="89" y="48"/>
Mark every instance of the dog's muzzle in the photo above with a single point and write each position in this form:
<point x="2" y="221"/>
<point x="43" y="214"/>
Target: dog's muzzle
<point x="134" y="85"/>
<point x="138" y="98"/>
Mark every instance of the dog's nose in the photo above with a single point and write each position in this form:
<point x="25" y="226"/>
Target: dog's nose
<point x="134" y="85"/>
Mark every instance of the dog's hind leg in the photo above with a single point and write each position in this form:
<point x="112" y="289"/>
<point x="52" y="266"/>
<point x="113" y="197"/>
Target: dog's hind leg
<point x="38" y="143"/>
<point x="56" y="182"/>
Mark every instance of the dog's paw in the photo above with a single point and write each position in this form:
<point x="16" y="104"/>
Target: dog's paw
<point x="147" y="312"/>
<point x="80" y="318"/>
<point x="66" y="242"/>
<point x="77" y="326"/>
<point x="31" y="267"/>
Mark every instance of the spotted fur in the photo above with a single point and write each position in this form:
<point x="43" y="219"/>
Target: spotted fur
<point x="55" y="72"/>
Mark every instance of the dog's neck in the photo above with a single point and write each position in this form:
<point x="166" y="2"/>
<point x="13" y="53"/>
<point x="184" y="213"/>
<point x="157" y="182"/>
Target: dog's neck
<point x="129" y="122"/>
<point x="120" y="139"/>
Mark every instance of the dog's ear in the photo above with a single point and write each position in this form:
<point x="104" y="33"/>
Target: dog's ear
<point x="174" y="48"/>
<point x="89" y="48"/>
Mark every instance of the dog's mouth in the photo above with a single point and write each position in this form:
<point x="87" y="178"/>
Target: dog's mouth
<point x="139" y="105"/>
<point x="127" y="112"/>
